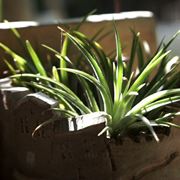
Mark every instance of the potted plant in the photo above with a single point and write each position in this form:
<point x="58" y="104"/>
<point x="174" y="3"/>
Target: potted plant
<point x="131" y="104"/>
<point x="109" y="82"/>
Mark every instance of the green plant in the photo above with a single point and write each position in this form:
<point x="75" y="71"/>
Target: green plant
<point x="130" y="97"/>
<point x="30" y="61"/>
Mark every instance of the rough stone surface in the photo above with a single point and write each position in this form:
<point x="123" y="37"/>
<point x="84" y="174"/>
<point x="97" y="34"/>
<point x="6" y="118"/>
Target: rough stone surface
<point x="54" y="151"/>
<point x="147" y="160"/>
<point x="9" y="98"/>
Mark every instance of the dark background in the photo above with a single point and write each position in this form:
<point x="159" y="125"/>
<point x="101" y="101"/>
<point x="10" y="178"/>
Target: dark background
<point x="164" y="10"/>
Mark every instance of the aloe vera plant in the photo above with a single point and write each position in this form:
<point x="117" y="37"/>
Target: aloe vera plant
<point x="129" y="95"/>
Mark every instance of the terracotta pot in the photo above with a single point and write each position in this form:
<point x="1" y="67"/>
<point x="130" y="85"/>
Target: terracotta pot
<point x="8" y="98"/>
<point x="61" y="151"/>
<point x="55" y="151"/>
<point x="146" y="159"/>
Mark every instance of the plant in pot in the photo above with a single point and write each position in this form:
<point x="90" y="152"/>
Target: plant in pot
<point x="31" y="63"/>
<point x="117" y="86"/>
<point x="134" y="103"/>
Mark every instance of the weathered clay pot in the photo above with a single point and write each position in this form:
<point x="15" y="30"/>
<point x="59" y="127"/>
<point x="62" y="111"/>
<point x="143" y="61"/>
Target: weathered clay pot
<point x="59" y="151"/>
<point x="56" y="151"/>
<point x="146" y="160"/>
<point x="9" y="96"/>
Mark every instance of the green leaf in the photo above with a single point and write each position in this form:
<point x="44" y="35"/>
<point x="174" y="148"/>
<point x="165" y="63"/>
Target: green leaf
<point x="95" y="66"/>
<point x="147" y="70"/>
<point x="55" y="74"/>
<point x="65" y="112"/>
<point x="152" y="98"/>
<point x="148" y="124"/>
<point x="97" y="84"/>
<point x="50" y="49"/>
<point x="119" y="68"/>
<point x="160" y="103"/>
<point x="72" y="99"/>
<point x="96" y="51"/>
<point x="133" y="53"/>
<point x="140" y="55"/>
<point x="36" y="60"/>
<point x="172" y="39"/>
<point x="63" y="63"/>
<point x="167" y="117"/>
<point x="47" y="122"/>
<point x="120" y="127"/>
<point x="84" y="19"/>
<point x="91" y="101"/>
<point x="15" y="32"/>
<point x="172" y="124"/>
<point x="61" y="89"/>
<point x="52" y="93"/>
<point x="11" y="68"/>
<point x="20" y="62"/>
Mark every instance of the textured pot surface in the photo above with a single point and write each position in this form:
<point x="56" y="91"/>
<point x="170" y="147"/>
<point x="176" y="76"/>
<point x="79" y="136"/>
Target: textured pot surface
<point x="55" y="151"/>
<point x="9" y="98"/>
<point x="58" y="151"/>
<point x="147" y="160"/>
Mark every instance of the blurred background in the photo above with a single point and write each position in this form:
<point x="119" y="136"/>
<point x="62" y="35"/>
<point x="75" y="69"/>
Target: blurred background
<point x="167" y="13"/>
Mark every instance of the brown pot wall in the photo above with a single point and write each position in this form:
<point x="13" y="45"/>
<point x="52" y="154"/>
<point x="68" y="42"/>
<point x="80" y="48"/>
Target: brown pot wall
<point x="147" y="160"/>
<point x="57" y="153"/>
<point x="83" y="155"/>
<point x="8" y="100"/>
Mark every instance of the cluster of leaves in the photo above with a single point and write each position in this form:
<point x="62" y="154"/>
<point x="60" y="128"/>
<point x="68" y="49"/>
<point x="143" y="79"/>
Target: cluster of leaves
<point x="129" y="96"/>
